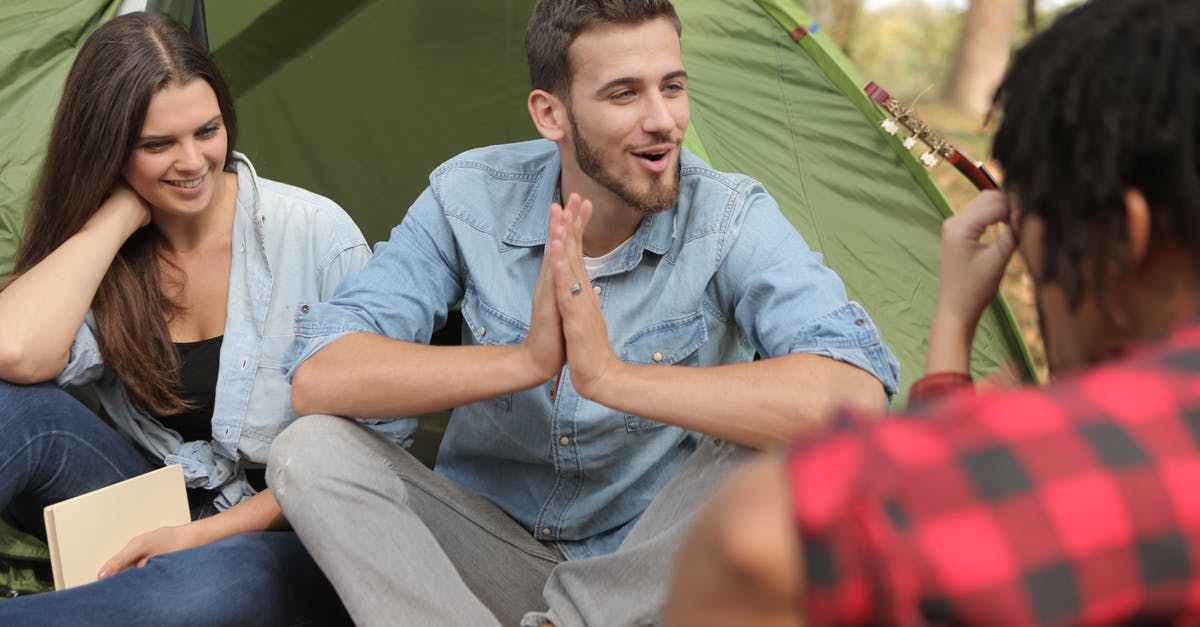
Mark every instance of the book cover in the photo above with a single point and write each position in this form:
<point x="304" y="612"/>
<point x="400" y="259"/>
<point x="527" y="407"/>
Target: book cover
<point x="85" y="531"/>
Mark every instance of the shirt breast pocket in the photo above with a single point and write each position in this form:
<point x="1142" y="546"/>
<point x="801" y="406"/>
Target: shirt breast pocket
<point x="274" y="347"/>
<point x="673" y="342"/>
<point x="490" y="326"/>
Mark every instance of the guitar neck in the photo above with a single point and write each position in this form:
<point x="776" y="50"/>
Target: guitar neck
<point x="975" y="172"/>
<point x="939" y="147"/>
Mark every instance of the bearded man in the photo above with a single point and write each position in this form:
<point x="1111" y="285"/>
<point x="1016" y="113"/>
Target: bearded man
<point x="614" y="291"/>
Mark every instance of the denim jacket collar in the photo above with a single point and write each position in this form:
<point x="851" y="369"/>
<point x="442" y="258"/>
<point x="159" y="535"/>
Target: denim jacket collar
<point x="528" y="228"/>
<point x="249" y="217"/>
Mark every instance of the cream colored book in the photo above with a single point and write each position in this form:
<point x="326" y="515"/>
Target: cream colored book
<point x="85" y="531"/>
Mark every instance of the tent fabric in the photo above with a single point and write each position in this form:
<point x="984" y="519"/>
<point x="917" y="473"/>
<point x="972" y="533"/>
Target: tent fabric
<point x="359" y="101"/>
<point x="366" y="99"/>
<point x="38" y="42"/>
<point x="798" y="121"/>
<point x="998" y="332"/>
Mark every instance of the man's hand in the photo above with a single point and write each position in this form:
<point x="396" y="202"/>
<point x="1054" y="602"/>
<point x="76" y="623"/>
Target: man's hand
<point x="140" y="549"/>
<point x="543" y="347"/>
<point x="589" y="353"/>
<point x="970" y="278"/>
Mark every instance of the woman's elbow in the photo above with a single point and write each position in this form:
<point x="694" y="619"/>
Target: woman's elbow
<point x="18" y="365"/>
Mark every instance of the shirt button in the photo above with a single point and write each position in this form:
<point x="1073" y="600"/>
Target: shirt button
<point x="482" y="331"/>
<point x="244" y="362"/>
<point x="596" y="289"/>
<point x="304" y="308"/>
<point x="564" y="440"/>
<point x="546" y="531"/>
<point x="860" y="322"/>
<point x="657" y="357"/>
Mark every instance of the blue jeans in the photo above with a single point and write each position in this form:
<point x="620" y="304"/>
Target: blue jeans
<point x="53" y="448"/>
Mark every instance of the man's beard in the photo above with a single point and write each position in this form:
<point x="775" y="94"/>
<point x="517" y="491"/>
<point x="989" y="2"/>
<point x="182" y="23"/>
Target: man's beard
<point x="660" y="197"/>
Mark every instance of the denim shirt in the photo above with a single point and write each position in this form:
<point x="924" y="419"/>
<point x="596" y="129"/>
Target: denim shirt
<point x="288" y="245"/>
<point x="709" y="282"/>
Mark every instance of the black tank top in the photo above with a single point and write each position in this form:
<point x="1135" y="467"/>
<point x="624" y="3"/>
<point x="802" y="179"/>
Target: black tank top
<point x="199" y="363"/>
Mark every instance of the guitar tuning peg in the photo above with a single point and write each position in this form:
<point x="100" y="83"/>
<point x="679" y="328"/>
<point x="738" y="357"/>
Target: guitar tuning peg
<point x="928" y="159"/>
<point x="909" y="142"/>
<point x="890" y="127"/>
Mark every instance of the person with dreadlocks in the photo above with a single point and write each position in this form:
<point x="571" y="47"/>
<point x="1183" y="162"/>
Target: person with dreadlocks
<point x="1071" y="504"/>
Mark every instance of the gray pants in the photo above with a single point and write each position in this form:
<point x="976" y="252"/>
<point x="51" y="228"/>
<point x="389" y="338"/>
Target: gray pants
<point x="405" y="546"/>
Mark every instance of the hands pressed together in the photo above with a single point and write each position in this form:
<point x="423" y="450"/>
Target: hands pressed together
<point x="566" y="323"/>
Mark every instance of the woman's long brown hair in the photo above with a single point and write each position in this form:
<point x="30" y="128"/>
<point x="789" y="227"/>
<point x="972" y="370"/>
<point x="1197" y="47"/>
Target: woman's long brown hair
<point x="120" y="67"/>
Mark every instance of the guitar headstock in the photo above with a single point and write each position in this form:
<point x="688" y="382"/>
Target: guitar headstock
<point x="938" y="146"/>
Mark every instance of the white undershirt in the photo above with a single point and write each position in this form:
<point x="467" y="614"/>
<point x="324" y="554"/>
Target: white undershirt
<point x="595" y="264"/>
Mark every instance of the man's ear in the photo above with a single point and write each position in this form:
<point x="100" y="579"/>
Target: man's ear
<point x="1137" y="226"/>
<point x="549" y="114"/>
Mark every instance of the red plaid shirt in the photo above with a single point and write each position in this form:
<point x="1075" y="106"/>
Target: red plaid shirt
<point x="1076" y="504"/>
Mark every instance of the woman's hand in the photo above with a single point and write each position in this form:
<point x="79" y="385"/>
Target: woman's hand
<point x="257" y="513"/>
<point x="157" y="542"/>
<point x="124" y="205"/>
<point x="35" y="347"/>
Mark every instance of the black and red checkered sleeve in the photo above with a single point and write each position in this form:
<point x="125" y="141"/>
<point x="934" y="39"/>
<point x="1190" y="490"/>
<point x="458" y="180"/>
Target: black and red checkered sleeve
<point x="1075" y="505"/>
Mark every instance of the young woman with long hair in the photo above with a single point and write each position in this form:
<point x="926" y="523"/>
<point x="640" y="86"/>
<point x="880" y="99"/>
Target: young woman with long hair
<point x="158" y="267"/>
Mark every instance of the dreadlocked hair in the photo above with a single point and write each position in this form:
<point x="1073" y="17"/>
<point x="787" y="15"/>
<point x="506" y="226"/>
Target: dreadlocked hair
<point x="1103" y="101"/>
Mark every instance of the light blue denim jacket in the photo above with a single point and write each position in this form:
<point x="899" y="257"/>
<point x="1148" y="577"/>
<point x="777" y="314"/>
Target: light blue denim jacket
<point x="288" y="245"/>
<point x="709" y="282"/>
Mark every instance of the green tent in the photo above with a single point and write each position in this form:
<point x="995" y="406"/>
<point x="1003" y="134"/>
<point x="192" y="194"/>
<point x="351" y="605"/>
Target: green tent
<point x="38" y="42"/>
<point x="360" y="100"/>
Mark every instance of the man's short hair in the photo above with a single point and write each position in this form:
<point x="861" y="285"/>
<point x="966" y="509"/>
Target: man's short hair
<point x="555" y="24"/>
<point x="1107" y="99"/>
